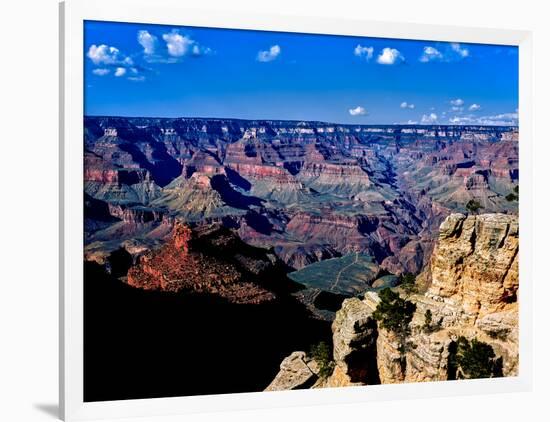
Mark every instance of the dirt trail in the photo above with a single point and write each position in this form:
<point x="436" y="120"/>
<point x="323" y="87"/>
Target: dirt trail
<point x="342" y="270"/>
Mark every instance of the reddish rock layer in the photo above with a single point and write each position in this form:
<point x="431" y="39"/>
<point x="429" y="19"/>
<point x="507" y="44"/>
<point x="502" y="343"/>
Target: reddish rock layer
<point x="179" y="266"/>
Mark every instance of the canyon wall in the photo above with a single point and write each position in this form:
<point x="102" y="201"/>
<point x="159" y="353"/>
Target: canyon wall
<point x="311" y="190"/>
<point x="473" y="294"/>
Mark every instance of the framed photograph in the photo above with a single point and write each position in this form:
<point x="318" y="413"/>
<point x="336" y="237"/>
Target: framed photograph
<point x="273" y="211"/>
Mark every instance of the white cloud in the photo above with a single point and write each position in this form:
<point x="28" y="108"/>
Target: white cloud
<point x="365" y="52"/>
<point x="358" y="111"/>
<point x="430" y="54"/>
<point x="405" y="104"/>
<point x="444" y="53"/>
<point x="111" y="60"/>
<point x="178" y="45"/>
<point x="474" y="107"/>
<point x="390" y="56"/>
<point x="458" y="102"/>
<point x="456" y="108"/>
<point x="503" y="119"/>
<point x="199" y="50"/>
<point x="412" y="122"/>
<point x="148" y="41"/>
<point x="456" y="120"/>
<point x="461" y="51"/>
<point x="107" y="55"/>
<point x="136" y="78"/>
<point x="269" y="55"/>
<point x="429" y="118"/>
<point x="100" y="71"/>
<point x="120" y="71"/>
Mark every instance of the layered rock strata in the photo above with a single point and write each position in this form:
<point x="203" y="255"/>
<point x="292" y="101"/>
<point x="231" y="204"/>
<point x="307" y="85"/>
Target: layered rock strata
<point x="473" y="294"/>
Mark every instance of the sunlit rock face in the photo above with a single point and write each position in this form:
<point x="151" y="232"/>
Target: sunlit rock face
<point x="475" y="264"/>
<point x="473" y="293"/>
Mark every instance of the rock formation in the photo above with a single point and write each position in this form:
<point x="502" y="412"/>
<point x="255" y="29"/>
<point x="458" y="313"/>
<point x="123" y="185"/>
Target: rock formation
<point x="209" y="259"/>
<point x="355" y="343"/>
<point x="475" y="265"/>
<point x="297" y="371"/>
<point x="473" y="294"/>
<point x="378" y="190"/>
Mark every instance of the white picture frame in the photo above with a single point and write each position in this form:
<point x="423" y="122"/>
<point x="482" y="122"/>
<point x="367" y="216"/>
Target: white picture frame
<point x="73" y="13"/>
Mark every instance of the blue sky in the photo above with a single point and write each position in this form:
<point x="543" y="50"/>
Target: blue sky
<point x="169" y="71"/>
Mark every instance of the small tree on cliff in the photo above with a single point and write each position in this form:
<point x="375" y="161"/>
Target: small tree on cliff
<point x="429" y="325"/>
<point x="322" y="354"/>
<point x="473" y="206"/>
<point x="395" y="314"/>
<point x="427" y="320"/>
<point x="408" y="285"/>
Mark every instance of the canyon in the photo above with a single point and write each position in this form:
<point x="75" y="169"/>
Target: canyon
<point x="305" y="223"/>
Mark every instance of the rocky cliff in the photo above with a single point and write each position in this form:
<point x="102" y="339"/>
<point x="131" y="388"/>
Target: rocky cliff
<point x="473" y="294"/>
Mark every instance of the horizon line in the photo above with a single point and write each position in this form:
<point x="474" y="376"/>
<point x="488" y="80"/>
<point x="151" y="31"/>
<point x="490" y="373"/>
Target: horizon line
<point x="296" y="121"/>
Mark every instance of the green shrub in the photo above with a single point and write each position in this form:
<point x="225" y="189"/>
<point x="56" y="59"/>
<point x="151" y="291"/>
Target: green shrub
<point x="393" y="312"/>
<point x="408" y="284"/>
<point x="499" y="334"/>
<point x="427" y="320"/>
<point x="473" y="206"/>
<point x="430" y="326"/>
<point x="513" y="196"/>
<point x="473" y="359"/>
<point x="322" y="354"/>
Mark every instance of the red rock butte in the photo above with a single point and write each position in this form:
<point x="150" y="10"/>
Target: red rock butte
<point x="178" y="266"/>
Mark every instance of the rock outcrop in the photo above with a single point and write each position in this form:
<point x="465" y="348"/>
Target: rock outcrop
<point x="297" y="371"/>
<point x="190" y="261"/>
<point x="473" y="294"/>
<point x="475" y="265"/>
<point x="354" y="345"/>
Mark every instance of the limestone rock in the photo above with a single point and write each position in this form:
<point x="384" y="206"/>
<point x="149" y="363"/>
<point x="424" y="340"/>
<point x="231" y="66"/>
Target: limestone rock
<point x="297" y="371"/>
<point x="475" y="264"/>
<point x="500" y="324"/>
<point x="428" y="360"/>
<point x="473" y="293"/>
<point x="391" y="368"/>
<point x="338" y="378"/>
<point x="354" y="339"/>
